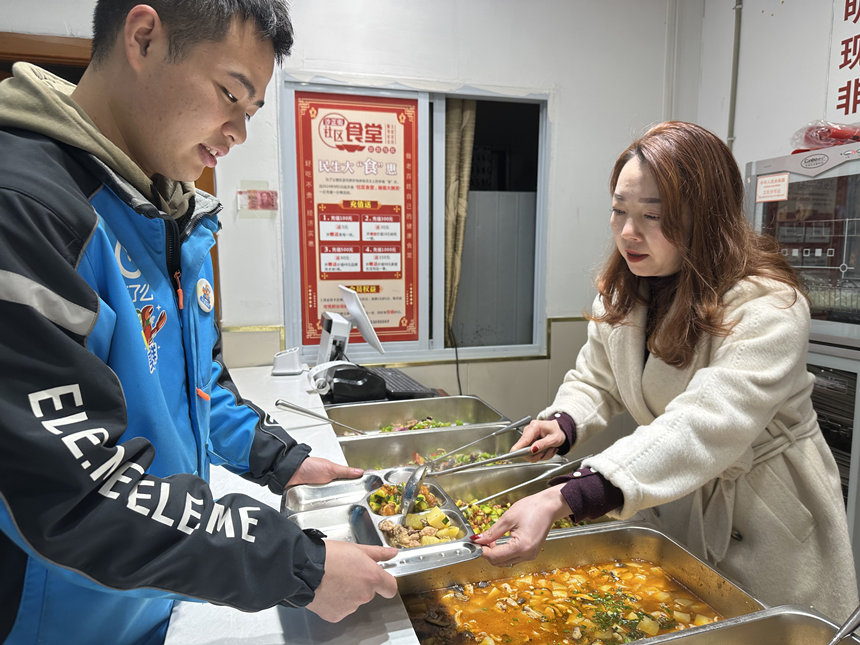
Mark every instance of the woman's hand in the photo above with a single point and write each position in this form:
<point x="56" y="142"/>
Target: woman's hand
<point x="529" y="521"/>
<point x="316" y="470"/>
<point x="544" y="437"/>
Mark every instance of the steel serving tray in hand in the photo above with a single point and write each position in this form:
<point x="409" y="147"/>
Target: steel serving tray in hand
<point x="370" y="417"/>
<point x="342" y="511"/>
<point x="783" y="625"/>
<point x="392" y="449"/>
<point x="594" y="544"/>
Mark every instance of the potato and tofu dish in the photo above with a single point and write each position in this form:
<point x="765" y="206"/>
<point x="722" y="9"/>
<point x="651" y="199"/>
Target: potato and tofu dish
<point x="597" y="604"/>
<point x="421" y="529"/>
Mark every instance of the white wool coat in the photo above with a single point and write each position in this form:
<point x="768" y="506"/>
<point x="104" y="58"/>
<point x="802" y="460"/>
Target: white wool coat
<point x="727" y="457"/>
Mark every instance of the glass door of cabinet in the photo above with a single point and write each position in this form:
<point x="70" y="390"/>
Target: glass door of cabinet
<point x="818" y="230"/>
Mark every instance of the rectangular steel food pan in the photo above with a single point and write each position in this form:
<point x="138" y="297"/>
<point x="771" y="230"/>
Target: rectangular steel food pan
<point x="593" y="544"/>
<point x="783" y="625"/>
<point x="392" y="449"/>
<point x="370" y="417"/>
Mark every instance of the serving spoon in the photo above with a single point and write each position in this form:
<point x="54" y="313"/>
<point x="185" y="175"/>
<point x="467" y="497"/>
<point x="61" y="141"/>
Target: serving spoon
<point x="286" y="405"/>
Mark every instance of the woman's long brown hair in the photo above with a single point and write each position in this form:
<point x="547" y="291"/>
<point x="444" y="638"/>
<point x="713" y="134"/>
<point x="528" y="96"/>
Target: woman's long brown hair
<point x="697" y="174"/>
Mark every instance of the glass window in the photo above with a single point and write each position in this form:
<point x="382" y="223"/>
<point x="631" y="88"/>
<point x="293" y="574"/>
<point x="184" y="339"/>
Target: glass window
<point x="481" y="231"/>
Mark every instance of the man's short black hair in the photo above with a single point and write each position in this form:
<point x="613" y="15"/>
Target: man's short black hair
<point x="189" y="22"/>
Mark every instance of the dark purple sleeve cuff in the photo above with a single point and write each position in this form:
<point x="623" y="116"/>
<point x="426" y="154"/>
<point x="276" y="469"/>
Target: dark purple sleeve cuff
<point x="568" y="427"/>
<point x="589" y="494"/>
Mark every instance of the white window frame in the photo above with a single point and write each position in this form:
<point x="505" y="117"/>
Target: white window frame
<point x="426" y="348"/>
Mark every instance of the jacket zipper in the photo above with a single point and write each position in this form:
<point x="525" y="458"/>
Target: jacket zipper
<point x="173" y="253"/>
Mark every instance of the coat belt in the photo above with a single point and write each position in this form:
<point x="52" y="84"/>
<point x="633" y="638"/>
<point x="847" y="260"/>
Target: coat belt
<point x="719" y="509"/>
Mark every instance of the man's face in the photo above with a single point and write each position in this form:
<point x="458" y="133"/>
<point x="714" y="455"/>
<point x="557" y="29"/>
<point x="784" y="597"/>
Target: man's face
<point x="186" y="115"/>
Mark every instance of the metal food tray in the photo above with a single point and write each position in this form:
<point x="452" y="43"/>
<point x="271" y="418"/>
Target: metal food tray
<point x="341" y="510"/>
<point x="590" y="545"/>
<point x="392" y="449"/>
<point x="783" y="625"/>
<point x="370" y="417"/>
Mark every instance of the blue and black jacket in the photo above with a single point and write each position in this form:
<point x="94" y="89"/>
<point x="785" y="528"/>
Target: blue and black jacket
<point x="114" y="401"/>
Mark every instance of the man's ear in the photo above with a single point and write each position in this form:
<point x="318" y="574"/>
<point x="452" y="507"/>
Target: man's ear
<point x="142" y="34"/>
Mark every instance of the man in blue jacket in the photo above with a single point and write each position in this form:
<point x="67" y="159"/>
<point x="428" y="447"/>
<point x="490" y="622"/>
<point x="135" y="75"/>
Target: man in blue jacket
<point x="114" y="399"/>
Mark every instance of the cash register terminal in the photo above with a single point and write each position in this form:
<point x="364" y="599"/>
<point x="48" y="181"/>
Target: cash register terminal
<point x="340" y="381"/>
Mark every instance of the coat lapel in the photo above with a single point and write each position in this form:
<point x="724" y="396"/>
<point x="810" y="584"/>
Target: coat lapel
<point x="627" y="355"/>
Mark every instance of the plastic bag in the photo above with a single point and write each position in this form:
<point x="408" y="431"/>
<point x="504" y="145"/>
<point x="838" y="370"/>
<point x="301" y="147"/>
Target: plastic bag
<point x="823" y="134"/>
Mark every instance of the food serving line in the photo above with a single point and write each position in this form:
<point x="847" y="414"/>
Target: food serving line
<point x="346" y="510"/>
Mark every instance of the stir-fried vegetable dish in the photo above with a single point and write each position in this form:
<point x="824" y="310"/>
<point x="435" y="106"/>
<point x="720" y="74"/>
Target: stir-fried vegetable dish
<point x="482" y="516"/>
<point x="458" y="459"/>
<point x="598" y="604"/>
<point x="419" y="424"/>
<point x="386" y="499"/>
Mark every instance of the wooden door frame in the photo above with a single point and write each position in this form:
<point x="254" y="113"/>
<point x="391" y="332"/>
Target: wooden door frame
<point x="68" y="50"/>
<point x="60" y="50"/>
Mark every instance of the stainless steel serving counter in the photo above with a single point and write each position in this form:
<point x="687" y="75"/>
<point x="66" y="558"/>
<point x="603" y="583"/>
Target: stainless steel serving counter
<point x="378" y="622"/>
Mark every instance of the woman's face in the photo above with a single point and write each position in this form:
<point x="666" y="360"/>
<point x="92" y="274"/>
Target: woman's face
<point x="635" y="222"/>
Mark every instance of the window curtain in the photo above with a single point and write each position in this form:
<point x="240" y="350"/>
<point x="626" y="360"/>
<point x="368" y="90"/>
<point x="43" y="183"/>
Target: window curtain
<point x="459" y="137"/>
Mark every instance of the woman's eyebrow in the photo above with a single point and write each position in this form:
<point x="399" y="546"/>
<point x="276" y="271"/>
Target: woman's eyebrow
<point x="643" y="200"/>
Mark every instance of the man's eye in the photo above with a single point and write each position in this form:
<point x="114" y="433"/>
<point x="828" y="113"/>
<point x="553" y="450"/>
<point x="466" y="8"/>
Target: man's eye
<point x="229" y="96"/>
<point x="616" y="211"/>
<point x="247" y="117"/>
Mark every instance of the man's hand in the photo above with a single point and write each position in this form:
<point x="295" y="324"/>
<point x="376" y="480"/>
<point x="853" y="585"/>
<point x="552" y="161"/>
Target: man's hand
<point x="352" y="577"/>
<point x="315" y="470"/>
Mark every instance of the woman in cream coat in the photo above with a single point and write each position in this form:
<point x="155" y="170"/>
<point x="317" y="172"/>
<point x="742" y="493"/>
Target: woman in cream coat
<point x="703" y="341"/>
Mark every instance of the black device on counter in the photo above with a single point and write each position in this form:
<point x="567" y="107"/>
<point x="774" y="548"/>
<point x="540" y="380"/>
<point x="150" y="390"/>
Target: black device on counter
<point x="351" y="384"/>
<point x="355" y="383"/>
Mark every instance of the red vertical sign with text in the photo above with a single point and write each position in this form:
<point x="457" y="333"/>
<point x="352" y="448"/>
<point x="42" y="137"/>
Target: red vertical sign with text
<point x="843" y="92"/>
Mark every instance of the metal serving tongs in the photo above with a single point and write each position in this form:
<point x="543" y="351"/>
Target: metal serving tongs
<point x="286" y="405"/>
<point x="847" y="628"/>
<point x="508" y="428"/>
<point x="413" y="484"/>
<point x="549" y="474"/>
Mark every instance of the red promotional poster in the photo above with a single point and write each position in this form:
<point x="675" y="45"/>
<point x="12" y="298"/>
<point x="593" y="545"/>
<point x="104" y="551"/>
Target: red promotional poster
<point x="358" y="200"/>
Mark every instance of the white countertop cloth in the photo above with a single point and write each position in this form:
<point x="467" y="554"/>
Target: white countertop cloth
<point x="380" y="621"/>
